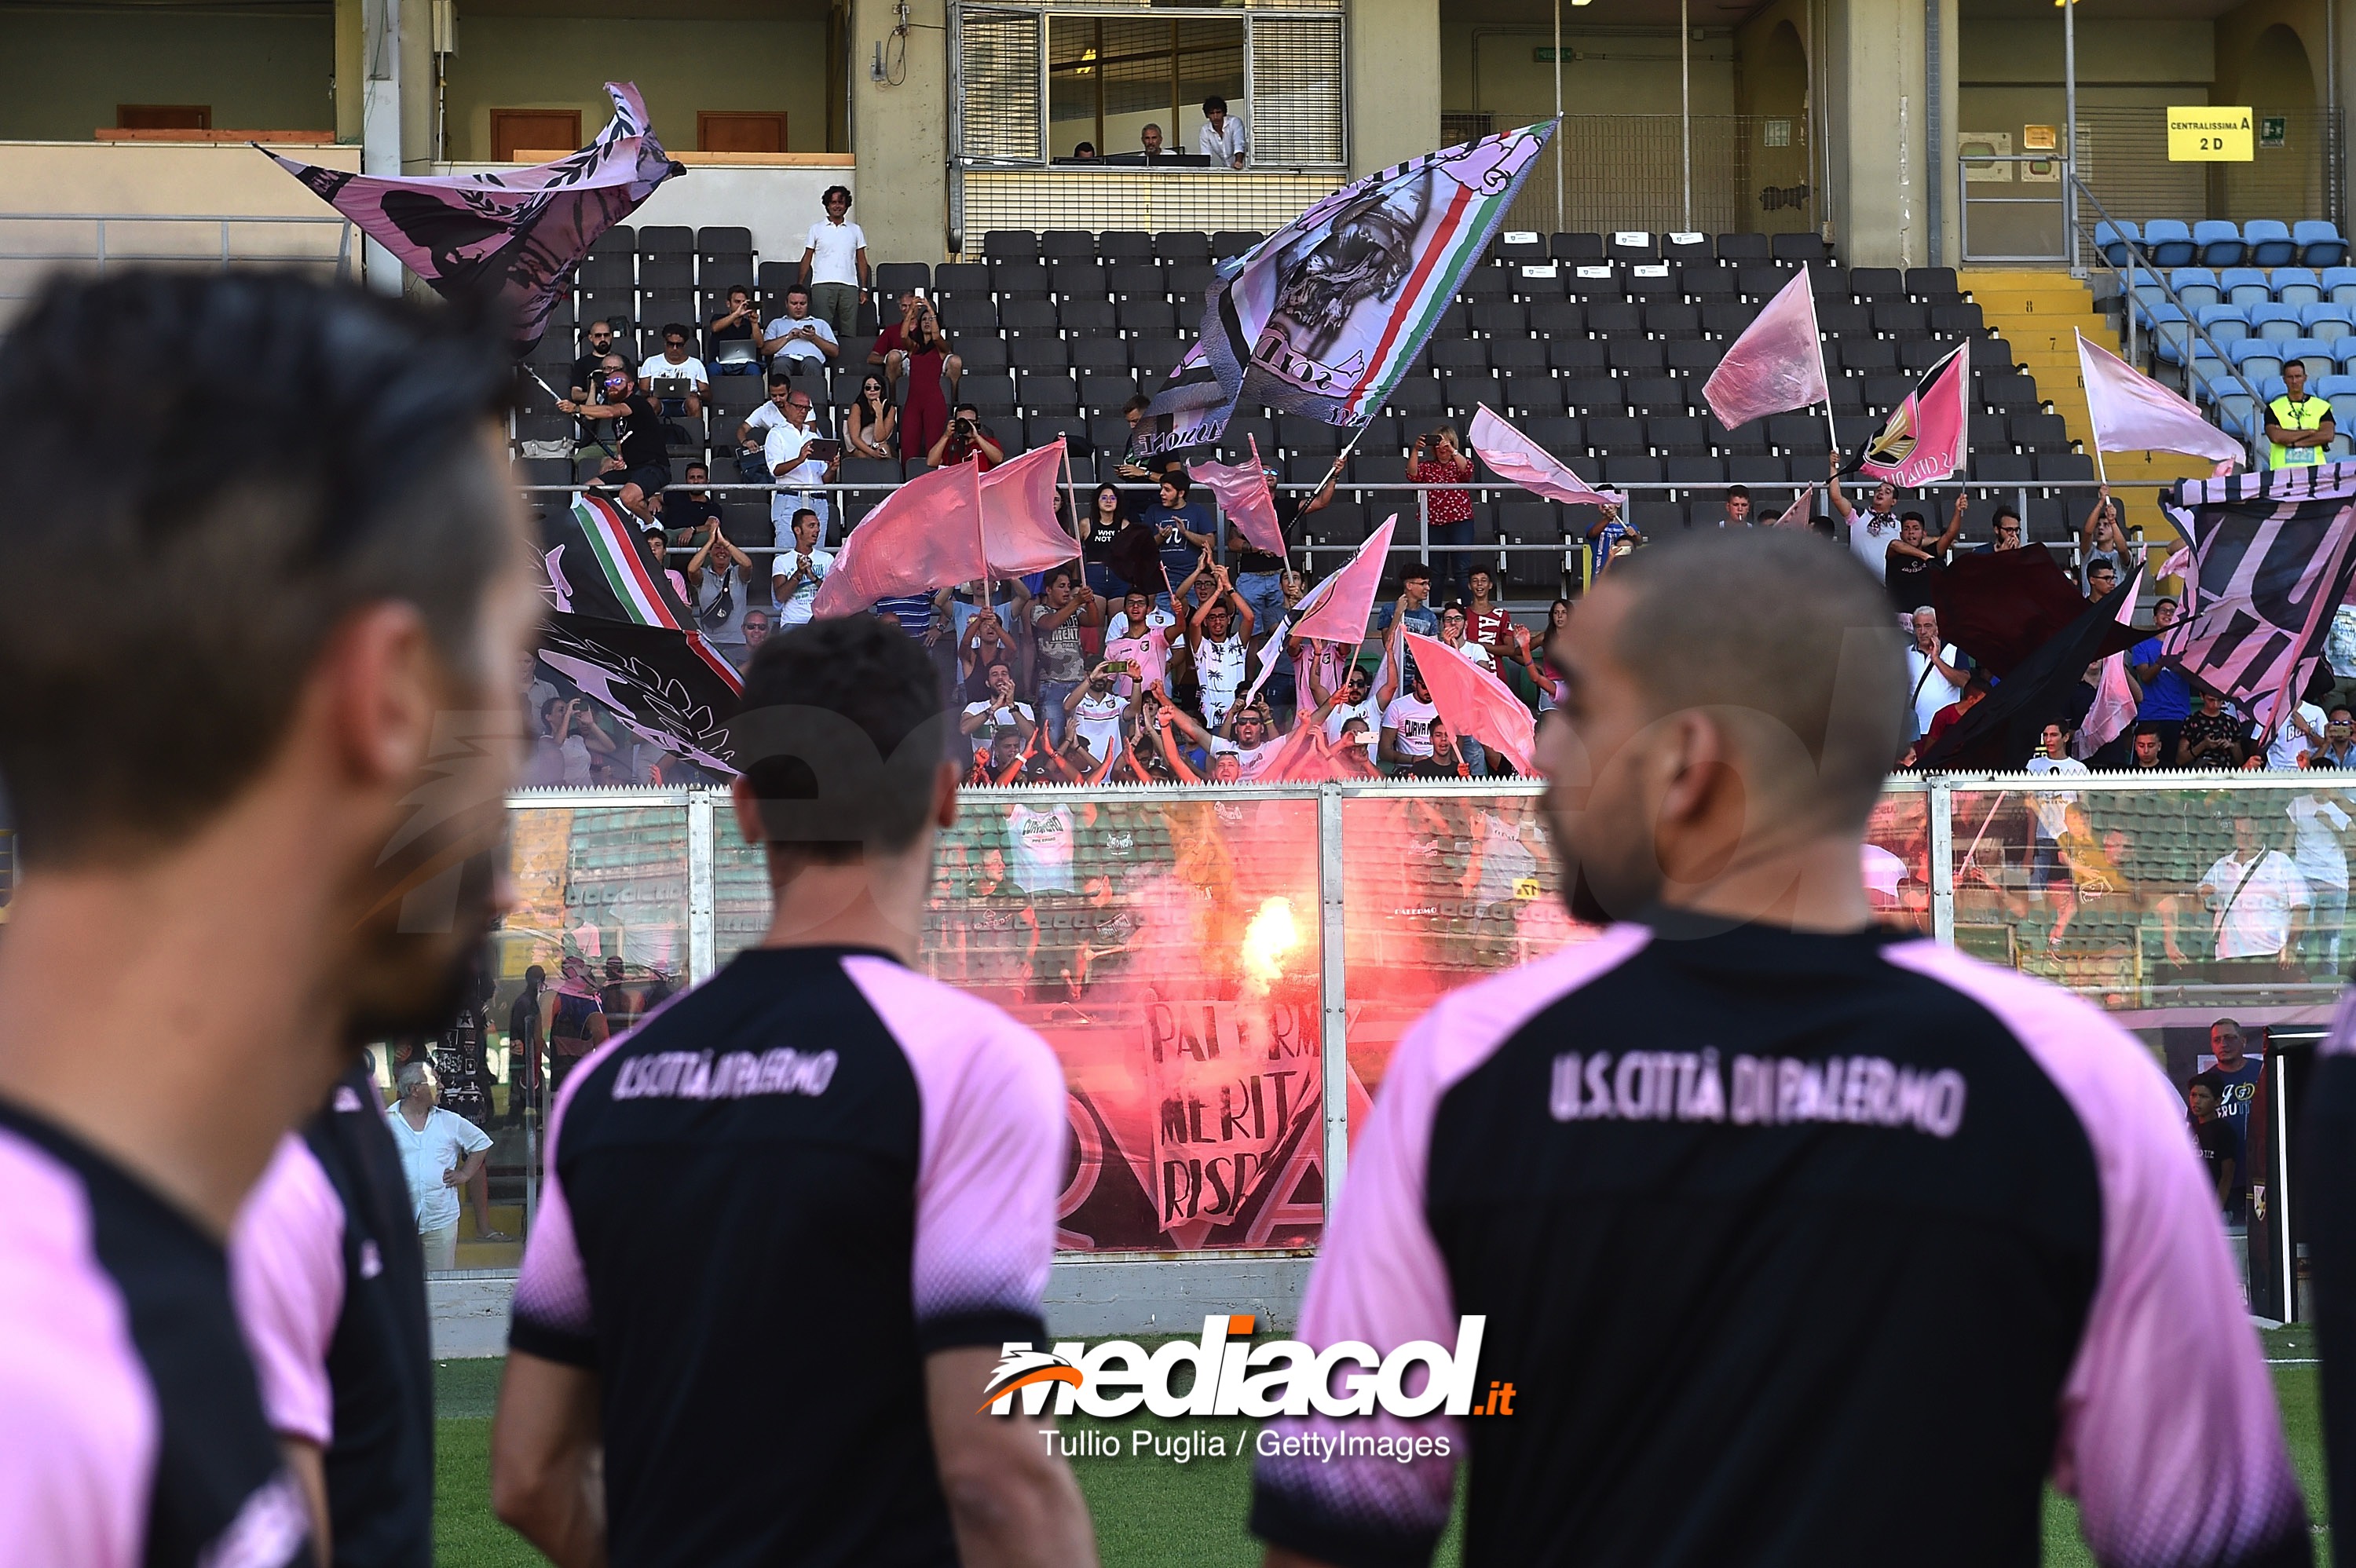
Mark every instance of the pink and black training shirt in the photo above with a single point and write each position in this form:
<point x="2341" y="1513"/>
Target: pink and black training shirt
<point x="767" y="1205"/>
<point x="1796" y="1249"/>
<point x="131" y="1433"/>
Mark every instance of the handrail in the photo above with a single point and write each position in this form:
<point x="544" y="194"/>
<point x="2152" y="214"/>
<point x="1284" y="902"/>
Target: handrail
<point x="2191" y="321"/>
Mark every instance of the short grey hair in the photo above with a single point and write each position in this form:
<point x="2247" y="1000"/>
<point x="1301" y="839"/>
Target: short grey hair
<point x="410" y="1071"/>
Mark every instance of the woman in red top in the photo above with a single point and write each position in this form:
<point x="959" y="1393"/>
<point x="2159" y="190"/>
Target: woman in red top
<point x="915" y="351"/>
<point x="1438" y="461"/>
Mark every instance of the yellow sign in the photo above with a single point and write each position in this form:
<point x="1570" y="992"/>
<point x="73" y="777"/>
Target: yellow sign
<point x="2208" y="134"/>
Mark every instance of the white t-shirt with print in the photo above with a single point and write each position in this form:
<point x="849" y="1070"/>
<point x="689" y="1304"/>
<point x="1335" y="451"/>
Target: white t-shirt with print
<point x="427" y="1156"/>
<point x="1219" y="666"/>
<point x="2052" y="807"/>
<point x="834" y="251"/>
<point x="2289" y="740"/>
<point x="998" y="716"/>
<point x="1344" y="712"/>
<point x="1043" y="842"/>
<point x="796" y="609"/>
<point x="1096" y="716"/>
<point x="1870" y="534"/>
<point x="2315" y="827"/>
<point x="1412" y="720"/>
<point x="691" y="368"/>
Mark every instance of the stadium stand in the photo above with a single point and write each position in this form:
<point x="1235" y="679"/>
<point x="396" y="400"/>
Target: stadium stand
<point x="1598" y="347"/>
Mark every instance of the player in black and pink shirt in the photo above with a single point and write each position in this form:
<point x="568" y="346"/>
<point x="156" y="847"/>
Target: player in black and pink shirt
<point x="793" y="1217"/>
<point x="255" y="816"/>
<point x="1797" y="1242"/>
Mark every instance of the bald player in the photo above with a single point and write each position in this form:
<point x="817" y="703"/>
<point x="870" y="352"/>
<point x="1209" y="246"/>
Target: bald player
<point x="1797" y="1242"/>
<point x="257" y="810"/>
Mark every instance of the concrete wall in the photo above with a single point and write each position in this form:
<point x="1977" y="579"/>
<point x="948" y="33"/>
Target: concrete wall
<point x="63" y="71"/>
<point x="900" y="131"/>
<point x="682" y="66"/>
<point x="1390" y="48"/>
<point x="1880" y="204"/>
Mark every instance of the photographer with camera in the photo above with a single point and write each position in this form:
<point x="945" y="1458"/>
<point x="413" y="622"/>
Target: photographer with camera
<point x="965" y="436"/>
<point x="675" y="376"/>
<point x="914" y="347"/>
<point x="1438" y="460"/>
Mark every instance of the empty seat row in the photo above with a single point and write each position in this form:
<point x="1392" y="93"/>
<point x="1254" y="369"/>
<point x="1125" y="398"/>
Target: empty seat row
<point x="2196" y="286"/>
<point x="2217" y="243"/>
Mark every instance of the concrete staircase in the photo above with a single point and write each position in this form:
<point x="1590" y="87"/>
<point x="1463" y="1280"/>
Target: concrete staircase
<point x="2035" y="312"/>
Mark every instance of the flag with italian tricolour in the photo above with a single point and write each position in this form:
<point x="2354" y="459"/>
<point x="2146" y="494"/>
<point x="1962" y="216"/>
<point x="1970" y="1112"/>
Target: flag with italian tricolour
<point x="1322" y="318"/>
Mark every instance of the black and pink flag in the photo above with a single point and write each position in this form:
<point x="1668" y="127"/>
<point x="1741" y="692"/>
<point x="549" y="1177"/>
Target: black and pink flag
<point x="510" y="240"/>
<point x="1922" y="440"/>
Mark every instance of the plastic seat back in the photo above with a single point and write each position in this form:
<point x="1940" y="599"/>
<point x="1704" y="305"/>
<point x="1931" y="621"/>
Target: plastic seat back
<point x="2269" y="242"/>
<point x="2218" y="244"/>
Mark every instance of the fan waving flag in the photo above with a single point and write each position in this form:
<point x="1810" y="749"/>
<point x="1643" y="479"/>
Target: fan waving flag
<point x="1475" y="702"/>
<point x="1243" y="493"/>
<point x="1516" y="457"/>
<point x="2272" y="553"/>
<point x="1921" y="441"/>
<point x="1019" y="528"/>
<point x="2132" y="412"/>
<point x="514" y="238"/>
<point x="621" y="633"/>
<point x="1776" y="366"/>
<point x="1322" y="317"/>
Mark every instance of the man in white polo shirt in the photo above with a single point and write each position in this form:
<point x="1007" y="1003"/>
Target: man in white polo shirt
<point x="834" y="265"/>
<point x="440" y="1153"/>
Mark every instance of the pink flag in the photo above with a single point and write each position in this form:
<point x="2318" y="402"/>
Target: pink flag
<point x="2114" y="707"/>
<point x="2132" y="412"/>
<point x="1018" y="515"/>
<point x="1921" y="441"/>
<point x="1338" y="609"/>
<point x="1475" y="702"/>
<point x="924" y="535"/>
<point x="1516" y="457"/>
<point x="1244" y="495"/>
<point x="1797" y="514"/>
<point x="1776" y="366"/>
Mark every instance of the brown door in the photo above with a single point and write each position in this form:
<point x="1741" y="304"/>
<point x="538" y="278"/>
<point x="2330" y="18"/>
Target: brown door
<point x="733" y="130"/>
<point x="535" y="130"/>
<point x="162" y="117"/>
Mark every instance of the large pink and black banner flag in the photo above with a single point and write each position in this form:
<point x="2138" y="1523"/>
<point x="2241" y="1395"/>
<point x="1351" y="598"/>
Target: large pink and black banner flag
<point x="1922" y="440"/>
<point x="510" y="240"/>
<point x="1322" y="318"/>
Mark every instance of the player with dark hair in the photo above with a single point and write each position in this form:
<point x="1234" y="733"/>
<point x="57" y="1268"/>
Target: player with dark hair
<point x="1797" y="1242"/>
<point x="792" y="1218"/>
<point x="325" y="591"/>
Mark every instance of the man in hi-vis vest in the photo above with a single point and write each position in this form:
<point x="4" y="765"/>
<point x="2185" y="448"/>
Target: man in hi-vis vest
<point x="2298" y="428"/>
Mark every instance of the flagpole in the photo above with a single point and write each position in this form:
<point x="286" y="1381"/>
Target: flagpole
<point x="1831" y="428"/>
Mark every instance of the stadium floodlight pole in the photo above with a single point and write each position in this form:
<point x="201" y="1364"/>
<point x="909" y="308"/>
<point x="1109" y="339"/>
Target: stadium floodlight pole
<point x="1684" y="108"/>
<point x="2070" y="113"/>
<point x="1558" y="117"/>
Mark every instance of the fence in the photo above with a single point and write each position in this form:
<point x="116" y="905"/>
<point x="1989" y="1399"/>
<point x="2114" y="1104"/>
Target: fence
<point x="1547" y="554"/>
<point x="1225" y="972"/>
<point x="34" y="244"/>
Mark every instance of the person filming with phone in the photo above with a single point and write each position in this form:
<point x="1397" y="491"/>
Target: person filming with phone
<point x="965" y="436"/>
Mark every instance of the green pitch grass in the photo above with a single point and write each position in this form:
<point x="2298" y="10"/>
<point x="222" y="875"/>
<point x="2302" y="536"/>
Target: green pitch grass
<point x="1152" y="1513"/>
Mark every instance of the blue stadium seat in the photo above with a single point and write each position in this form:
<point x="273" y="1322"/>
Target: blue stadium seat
<point x="2255" y="357"/>
<point x="2243" y="285"/>
<point x="2319" y="240"/>
<point x="2318" y="357"/>
<point x="2237" y="415"/>
<point x="2218" y="244"/>
<point x="2340" y="284"/>
<point x="2117" y="242"/>
<point x="2226" y="322"/>
<point x="2295" y="285"/>
<point x="2196" y="286"/>
<point x="2269" y="242"/>
<point x="2210" y="379"/>
<point x="2325" y="322"/>
<point x="2167" y="242"/>
<point x="2148" y="295"/>
<point x="2340" y="385"/>
<point x="2274" y="323"/>
<point x="2170" y="331"/>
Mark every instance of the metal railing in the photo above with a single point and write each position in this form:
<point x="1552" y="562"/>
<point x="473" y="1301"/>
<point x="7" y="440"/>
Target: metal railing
<point x="41" y="240"/>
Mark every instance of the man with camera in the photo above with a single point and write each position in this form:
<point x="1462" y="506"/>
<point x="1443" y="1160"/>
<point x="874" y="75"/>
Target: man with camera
<point x="965" y="437"/>
<point x="675" y="376"/>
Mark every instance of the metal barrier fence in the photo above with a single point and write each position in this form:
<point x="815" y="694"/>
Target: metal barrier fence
<point x="32" y="244"/>
<point x="2052" y="514"/>
<point x="1224" y="971"/>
